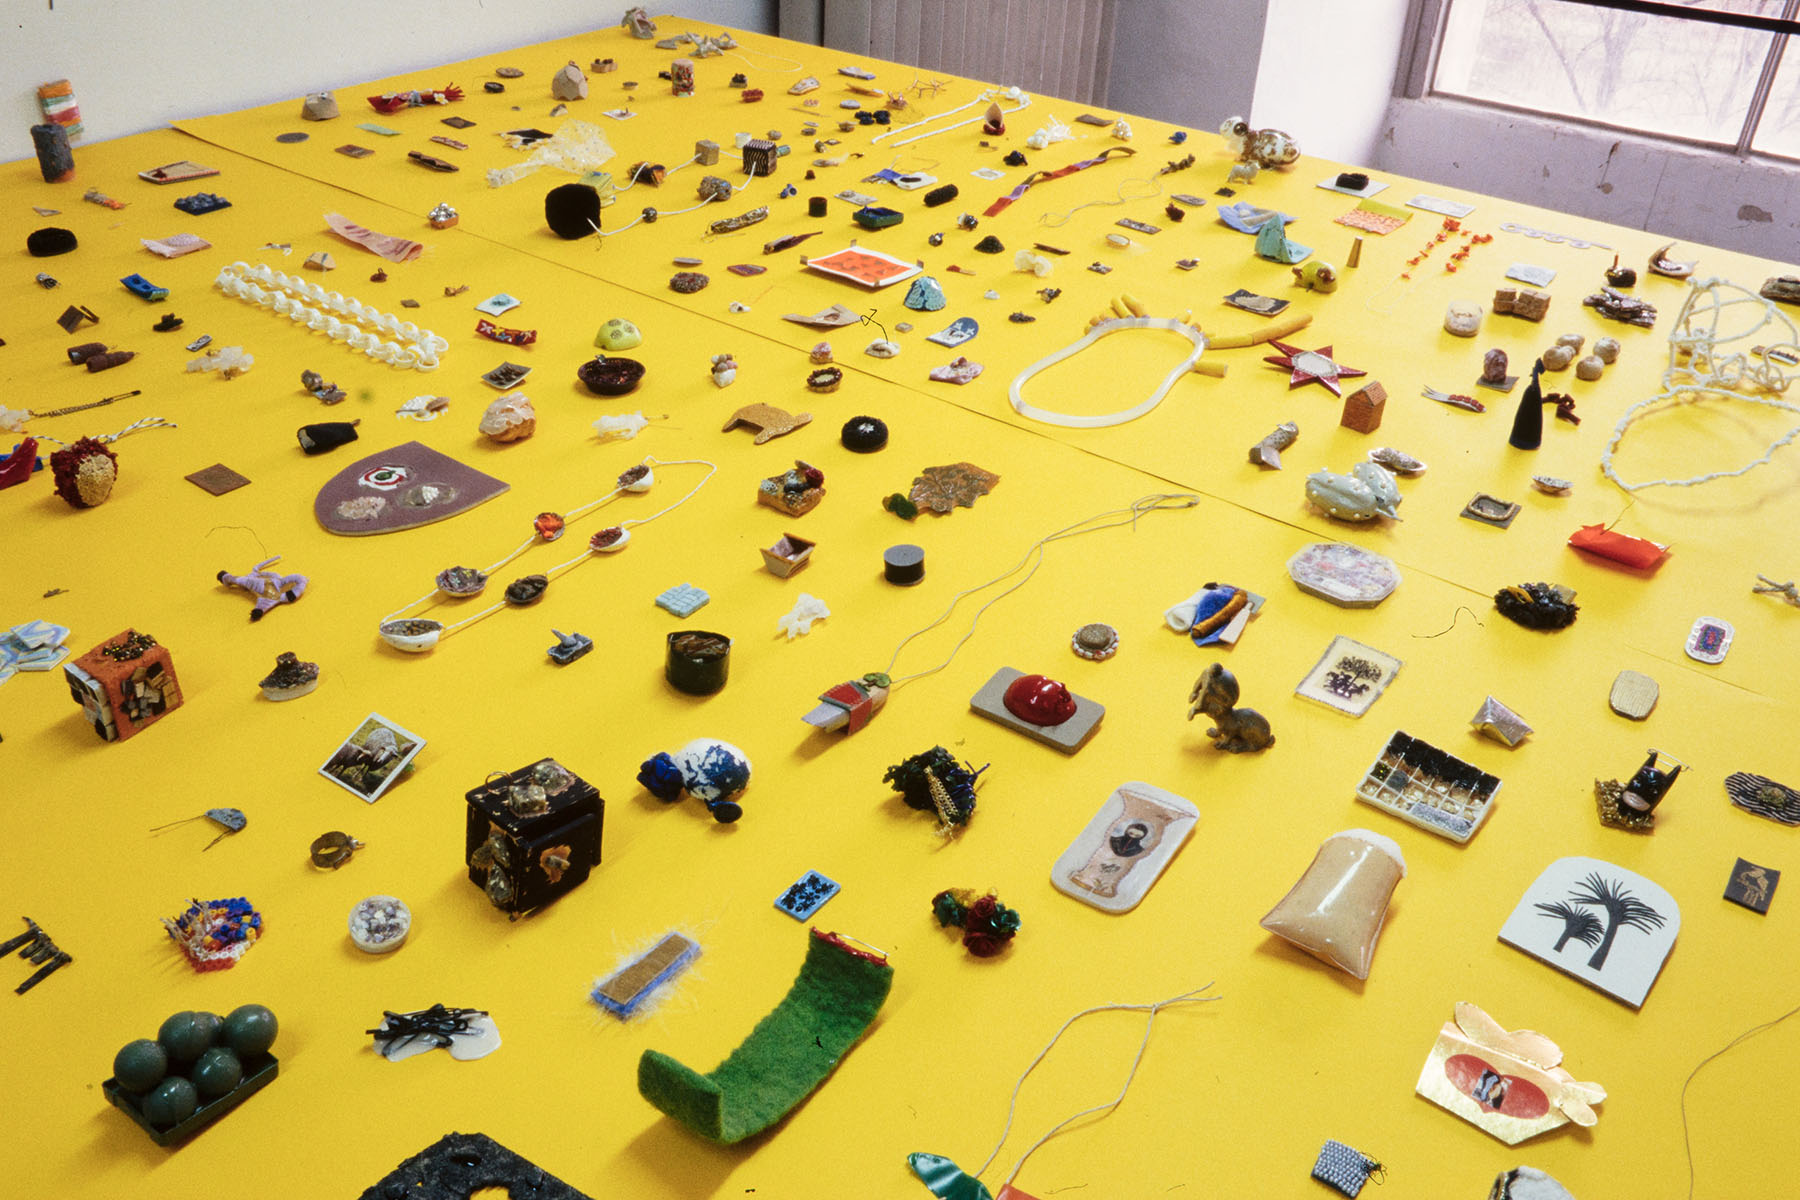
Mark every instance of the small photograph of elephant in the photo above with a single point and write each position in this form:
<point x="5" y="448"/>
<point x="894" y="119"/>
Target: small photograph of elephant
<point x="368" y="760"/>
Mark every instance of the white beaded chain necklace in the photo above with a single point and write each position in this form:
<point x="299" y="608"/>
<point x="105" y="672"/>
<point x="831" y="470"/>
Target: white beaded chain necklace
<point x="1019" y="96"/>
<point x="362" y="327"/>
<point x="1711" y="359"/>
<point x="419" y="633"/>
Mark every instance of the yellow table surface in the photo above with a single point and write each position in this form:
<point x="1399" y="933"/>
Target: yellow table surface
<point x="1233" y="1098"/>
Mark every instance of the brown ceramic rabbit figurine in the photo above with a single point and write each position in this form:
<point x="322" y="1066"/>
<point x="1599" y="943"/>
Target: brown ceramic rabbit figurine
<point x="1237" y="730"/>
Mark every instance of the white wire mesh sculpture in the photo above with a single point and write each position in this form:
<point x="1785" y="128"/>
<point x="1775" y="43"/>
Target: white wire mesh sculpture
<point x="1728" y="343"/>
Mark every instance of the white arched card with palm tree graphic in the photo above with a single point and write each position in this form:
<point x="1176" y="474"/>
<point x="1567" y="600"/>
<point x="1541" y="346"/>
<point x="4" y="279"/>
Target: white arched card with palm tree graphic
<point x="1606" y="926"/>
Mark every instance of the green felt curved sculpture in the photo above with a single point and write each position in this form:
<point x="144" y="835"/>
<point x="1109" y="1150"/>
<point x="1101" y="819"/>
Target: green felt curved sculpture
<point x="789" y="1053"/>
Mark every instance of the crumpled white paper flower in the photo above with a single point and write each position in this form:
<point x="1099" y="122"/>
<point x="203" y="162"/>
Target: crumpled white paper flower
<point x="800" y="618"/>
<point x="1050" y="134"/>
<point x="625" y="426"/>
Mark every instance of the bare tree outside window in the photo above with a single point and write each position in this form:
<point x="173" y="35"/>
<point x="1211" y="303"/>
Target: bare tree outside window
<point x="1779" y="130"/>
<point x="1655" y="74"/>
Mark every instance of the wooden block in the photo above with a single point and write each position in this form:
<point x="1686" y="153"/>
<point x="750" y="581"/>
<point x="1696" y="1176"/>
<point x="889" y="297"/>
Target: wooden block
<point x="1522" y="302"/>
<point x="1363" y="408"/>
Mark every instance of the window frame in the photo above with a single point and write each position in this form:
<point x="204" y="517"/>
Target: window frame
<point x="1417" y="78"/>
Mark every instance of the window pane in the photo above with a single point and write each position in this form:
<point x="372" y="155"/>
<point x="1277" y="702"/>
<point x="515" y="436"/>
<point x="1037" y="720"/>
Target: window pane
<point x="1779" y="131"/>
<point x="1657" y="74"/>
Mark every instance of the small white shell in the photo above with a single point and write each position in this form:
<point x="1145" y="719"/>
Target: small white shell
<point x="424" y="634"/>
<point x="1397" y="461"/>
<point x="1550" y="485"/>
<point x="612" y="547"/>
<point x="1462" y="318"/>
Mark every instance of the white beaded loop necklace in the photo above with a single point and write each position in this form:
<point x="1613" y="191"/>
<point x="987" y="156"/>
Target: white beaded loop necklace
<point x="362" y="327"/>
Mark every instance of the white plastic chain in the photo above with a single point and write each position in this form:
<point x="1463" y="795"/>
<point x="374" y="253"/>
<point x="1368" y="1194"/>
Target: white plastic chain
<point x="362" y="327"/>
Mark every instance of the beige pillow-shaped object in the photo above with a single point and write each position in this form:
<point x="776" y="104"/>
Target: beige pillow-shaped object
<point x="1334" y="912"/>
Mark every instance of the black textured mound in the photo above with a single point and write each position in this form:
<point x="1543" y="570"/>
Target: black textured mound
<point x="572" y="210"/>
<point x="49" y="241"/>
<point x="864" y="435"/>
<point x="459" y="1164"/>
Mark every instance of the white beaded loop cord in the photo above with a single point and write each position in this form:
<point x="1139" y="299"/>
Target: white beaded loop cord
<point x="1704" y="363"/>
<point x="987" y="97"/>
<point x="573" y="515"/>
<point x="737" y="189"/>
<point x="362" y="327"/>
<point x="1101" y="421"/>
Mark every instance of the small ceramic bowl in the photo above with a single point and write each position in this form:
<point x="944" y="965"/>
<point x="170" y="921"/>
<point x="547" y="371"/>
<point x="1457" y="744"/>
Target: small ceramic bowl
<point x="613" y="376"/>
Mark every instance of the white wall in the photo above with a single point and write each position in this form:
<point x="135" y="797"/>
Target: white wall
<point x="1189" y="62"/>
<point x="1324" y="70"/>
<point x="138" y="64"/>
<point x="1320" y="69"/>
<point x="1707" y="197"/>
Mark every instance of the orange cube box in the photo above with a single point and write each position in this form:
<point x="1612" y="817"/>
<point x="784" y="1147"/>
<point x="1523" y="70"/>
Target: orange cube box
<point x="124" y="684"/>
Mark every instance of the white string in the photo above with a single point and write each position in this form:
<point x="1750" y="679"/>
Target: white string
<point x="987" y="97"/>
<point x="793" y="64"/>
<point x="1126" y="516"/>
<point x="575" y="514"/>
<point x="737" y="189"/>
<point x="667" y="171"/>
<point x="137" y="426"/>
<point x="362" y="327"/>
<point x="1189" y="997"/>
<point x="1154" y="182"/>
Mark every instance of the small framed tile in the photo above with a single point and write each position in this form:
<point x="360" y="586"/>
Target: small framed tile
<point x="1491" y="510"/>
<point x="217" y="479"/>
<point x="1349" y="676"/>
<point x="1752" y="886"/>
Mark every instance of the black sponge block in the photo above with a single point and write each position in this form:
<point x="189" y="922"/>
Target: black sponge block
<point x="572" y="210"/>
<point x="50" y="241"/>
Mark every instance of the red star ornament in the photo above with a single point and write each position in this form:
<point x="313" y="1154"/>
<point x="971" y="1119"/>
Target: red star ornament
<point x="1312" y="366"/>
